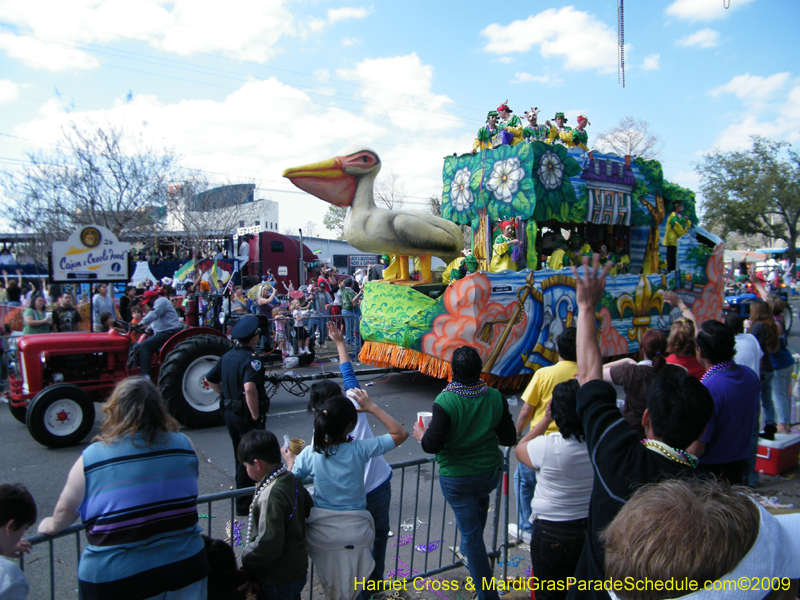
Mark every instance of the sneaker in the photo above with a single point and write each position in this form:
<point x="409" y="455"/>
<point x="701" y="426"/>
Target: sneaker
<point x="522" y="535"/>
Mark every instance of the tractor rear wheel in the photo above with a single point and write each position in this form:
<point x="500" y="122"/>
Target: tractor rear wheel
<point x="180" y="380"/>
<point x="60" y="416"/>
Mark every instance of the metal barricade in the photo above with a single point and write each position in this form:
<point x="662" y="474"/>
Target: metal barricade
<point x="420" y="535"/>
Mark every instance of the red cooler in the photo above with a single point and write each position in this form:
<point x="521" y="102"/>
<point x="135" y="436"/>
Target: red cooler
<point x="775" y="458"/>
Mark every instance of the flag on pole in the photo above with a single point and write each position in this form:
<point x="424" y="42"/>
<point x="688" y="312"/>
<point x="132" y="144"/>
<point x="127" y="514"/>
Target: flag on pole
<point x="184" y="271"/>
<point x="215" y="275"/>
<point x="229" y="287"/>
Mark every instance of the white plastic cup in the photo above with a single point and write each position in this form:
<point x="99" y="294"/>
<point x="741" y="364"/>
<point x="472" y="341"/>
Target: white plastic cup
<point x="424" y="419"/>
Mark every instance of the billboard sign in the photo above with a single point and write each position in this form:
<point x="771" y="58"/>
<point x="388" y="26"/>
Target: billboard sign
<point x="363" y="260"/>
<point x="92" y="253"/>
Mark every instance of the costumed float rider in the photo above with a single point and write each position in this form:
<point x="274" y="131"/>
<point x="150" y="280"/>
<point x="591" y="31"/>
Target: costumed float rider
<point x="677" y="227"/>
<point x="467" y="266"/>
<point x="511" y="125"/>
<point x="578" y="249"/>
<point x="534" y="132"/>
<point x="558" y="130"/>
<point x="503" y="249"/>
<point x="391" y="266"/>
<point x="622" y="259"/>
<point x="560" y="257"/>
<point x="579" y="136"/>
<point x="487" y="137"/>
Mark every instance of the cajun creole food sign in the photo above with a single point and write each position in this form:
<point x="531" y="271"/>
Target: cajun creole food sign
<point x="92" y="253"/>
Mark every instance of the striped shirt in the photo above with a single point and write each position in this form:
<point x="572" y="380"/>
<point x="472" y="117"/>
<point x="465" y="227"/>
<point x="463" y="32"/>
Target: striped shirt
<point x="140" y="512"/>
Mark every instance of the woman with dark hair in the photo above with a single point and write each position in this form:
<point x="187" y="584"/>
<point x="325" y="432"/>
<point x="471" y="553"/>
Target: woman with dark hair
<point x="725" y="446"/>
<point x="783" y="363"/>
<point x="13" y="288"/>
<point x="135" y="489"/>
<point x="469" y="420"/>
<point x="635" y="377"/>
<point x="762" y="325"/>
<point x="564" y="478"/>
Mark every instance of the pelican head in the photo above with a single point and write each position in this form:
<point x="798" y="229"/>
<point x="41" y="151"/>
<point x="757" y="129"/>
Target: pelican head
<point x="335" y="180"/>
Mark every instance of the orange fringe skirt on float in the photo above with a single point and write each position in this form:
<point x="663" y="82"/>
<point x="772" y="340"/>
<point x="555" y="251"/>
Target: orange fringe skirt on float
<point x="384" y="355"/>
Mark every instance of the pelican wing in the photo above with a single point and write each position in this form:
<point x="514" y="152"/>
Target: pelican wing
<point x="427" y="232"/>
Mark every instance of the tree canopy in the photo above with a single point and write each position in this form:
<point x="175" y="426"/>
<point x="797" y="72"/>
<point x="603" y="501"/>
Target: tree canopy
<point x="754" y="191"/>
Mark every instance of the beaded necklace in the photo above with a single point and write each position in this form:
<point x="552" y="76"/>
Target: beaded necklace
<point x="471" y="390"/>
<point x="676" y="454"/>
<point x="277" y="472"/>
<point x="723" y="366"/>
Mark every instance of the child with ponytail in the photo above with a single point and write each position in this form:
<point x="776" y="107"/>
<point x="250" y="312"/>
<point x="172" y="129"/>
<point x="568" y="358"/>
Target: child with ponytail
<point x="336" y="463"/>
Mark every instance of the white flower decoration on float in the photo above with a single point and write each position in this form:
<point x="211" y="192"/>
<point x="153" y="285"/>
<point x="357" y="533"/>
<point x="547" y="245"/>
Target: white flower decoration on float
<point x="551" y="171"/>
<point x="505" y="178"/>
<point x="460" y="193"/>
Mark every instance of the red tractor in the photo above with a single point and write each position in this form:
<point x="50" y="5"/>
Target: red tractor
<point x="59" y="376"/>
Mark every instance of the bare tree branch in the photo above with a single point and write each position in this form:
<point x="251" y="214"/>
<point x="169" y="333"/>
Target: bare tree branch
<point x="631" y="137"/>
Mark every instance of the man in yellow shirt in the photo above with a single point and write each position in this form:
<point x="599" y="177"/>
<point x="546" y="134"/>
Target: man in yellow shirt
<point x="536" y="398"/>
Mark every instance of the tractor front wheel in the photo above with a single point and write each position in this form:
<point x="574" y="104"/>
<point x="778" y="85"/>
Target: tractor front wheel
<point x="180" y="380"/>
<point x="18" y="412"/>
<point x="60" y="416"/>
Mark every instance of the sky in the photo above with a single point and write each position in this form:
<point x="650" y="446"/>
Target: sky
<point x="246" y="88"/>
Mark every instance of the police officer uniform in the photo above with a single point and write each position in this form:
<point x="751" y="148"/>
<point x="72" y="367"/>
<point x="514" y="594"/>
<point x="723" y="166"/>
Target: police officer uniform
<point x="237" y="367"/>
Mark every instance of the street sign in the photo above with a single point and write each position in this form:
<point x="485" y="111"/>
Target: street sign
<point x="92" y="253"/>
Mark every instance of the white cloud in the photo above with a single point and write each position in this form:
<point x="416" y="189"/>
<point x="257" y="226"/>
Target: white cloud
<point x="8" y="90"/>
<point x="703" y="10"/>
<point x="506" y="60"/>
<point x="245" y="29"/>
<point x="752" y="88"/>
<point x="43" y="55"/>
<point x="400" y="88"/>
<point x="522" y="77"/>
<point x="705" y="38"/>
<point x="583" y="41"/>
<point x="345" y="13"/>
<point x="248" y="135"/>
<point x="351" y="41"/>
<point x="651" y="62"/>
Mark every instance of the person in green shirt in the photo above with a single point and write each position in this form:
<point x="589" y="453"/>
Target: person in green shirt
<point x="469" y="420"/>
<point x="36" y="318"/>
<point x="349" y="298"/>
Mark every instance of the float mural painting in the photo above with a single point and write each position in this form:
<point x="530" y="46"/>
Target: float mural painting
<point x="538" y="193"/>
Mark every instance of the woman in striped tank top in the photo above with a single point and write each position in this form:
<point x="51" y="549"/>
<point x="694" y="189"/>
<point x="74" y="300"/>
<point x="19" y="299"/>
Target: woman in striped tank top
<point x="135" y="489"/>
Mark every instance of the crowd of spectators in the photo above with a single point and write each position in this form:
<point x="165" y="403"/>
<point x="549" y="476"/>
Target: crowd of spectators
<point x="649" y="487"/>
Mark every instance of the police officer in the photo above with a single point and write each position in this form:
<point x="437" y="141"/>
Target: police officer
<point x="239" y="379"/>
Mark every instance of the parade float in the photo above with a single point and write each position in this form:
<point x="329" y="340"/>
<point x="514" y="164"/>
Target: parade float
<point x="556" y="203"/>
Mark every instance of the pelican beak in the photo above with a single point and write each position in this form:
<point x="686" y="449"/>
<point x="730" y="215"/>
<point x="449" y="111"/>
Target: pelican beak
<point x="326" y="180"/>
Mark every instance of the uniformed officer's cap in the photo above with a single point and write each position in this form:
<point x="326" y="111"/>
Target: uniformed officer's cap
<point x="245" y="328"/>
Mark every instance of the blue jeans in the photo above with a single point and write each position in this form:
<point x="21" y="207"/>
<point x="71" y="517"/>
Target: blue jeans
<point x="286" y="591"/>
<point x="468" y="496"/>
<point x="750" y="474"/>
<point x="766" y="398"/>
<point x="378" y="501"/>
<point x="524" y="486"/>
<point x="349" y="322"/>
<point x="318" y="322"/>
<point x="781" y="394"/>
<point x="555" y="549"/>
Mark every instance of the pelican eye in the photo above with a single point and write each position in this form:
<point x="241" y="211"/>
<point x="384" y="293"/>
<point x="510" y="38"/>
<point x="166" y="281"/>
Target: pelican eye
<point x="365" y="159"/>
